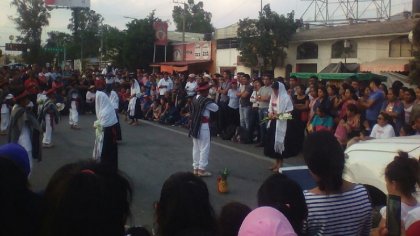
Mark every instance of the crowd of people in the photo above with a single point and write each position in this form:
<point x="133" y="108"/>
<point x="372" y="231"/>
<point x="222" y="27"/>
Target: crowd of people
<point x="285" y="117"/>
<point x="88" y="198"/>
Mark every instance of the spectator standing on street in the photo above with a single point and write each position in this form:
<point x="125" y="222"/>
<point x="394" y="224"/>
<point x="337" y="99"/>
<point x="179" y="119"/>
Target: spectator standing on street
<point x="106" y="148"/>
<point x="335" y="206"/>
<point x="133" y="111"/>
<point x="263" y="101"/>
<point x="244" y="93"/>
<point x="222" y="101"/>
<point x="374" y="103"/>
<point x="394" y="108"/>
<point x="191" y="86"/>
<point x="200" y="130"/>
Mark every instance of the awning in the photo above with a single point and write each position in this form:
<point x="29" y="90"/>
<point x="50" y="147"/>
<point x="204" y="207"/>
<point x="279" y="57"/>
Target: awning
<point x="179" y="63"/>
<point x="177" y="66"/>
<point x="386" y="65"/>
<point x="338" y="76"/>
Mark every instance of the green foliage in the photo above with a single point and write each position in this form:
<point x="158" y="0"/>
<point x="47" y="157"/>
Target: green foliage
<point x="137" y="48"/>
<point x="414" y="65"/>
<point x="31" y="17"/>
<point x="263" y="41"/>
<point x="197" y="20"/>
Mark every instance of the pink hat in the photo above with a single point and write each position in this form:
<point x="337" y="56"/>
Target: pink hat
<point x="266" y="221"/>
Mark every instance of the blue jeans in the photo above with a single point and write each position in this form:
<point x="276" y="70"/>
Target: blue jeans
<point x="244" y="113"/>
<point x="262" y="112"/>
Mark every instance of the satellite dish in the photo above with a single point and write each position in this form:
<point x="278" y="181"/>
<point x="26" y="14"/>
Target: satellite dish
<point x="11" y="37"/>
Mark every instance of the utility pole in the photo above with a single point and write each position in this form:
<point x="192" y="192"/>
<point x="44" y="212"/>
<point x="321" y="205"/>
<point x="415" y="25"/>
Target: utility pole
<point x="184" y="13"/>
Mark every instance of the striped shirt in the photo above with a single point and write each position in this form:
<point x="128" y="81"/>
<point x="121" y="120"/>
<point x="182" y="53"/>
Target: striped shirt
<point x="342" y="214"/>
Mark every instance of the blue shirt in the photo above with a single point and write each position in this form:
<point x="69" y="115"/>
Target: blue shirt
<point x="378" y="98"/>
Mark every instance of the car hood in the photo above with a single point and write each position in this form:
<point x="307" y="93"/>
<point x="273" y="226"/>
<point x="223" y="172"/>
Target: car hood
<point x="366" y="160"/>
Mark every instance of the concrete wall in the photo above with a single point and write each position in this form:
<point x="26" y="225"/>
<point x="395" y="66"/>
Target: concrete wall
<point x="368" y="49"/>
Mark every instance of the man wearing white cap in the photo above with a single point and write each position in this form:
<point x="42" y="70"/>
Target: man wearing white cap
<point x="191" y="86"/>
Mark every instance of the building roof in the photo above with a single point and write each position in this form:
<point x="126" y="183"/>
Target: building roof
<point x="175" y="36"/>
<point x="227" y="32"/>
<point x="360" y="30"/>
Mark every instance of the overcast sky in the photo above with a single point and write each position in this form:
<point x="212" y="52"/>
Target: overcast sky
<point x="225" y="12"/>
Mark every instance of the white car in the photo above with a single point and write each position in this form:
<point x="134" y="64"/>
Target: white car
<point x="366" y="160"/>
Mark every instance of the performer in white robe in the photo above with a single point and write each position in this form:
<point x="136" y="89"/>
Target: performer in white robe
<point x="106" y="148"/>
<point x="133" y="111"/>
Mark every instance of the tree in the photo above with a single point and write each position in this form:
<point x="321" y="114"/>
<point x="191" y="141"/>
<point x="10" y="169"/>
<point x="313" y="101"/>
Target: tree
<point x="57" y="39"/>
<point x="137" y="50"/>
<point x="414" y="65"/>
<point x="112" y="44"/>
<point x="84" y="25"/>
<point x="263" y="41"/>
<point x="197" y="20"/>
<point x="32" y="16"/>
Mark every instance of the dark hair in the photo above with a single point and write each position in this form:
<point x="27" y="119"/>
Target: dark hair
<point x="19" y="207"/>
<point x="352" y="108"/>
<point x="284" y="194"/>
<point x="324" y="90"/>
<point x="325" y="158"/>
<point x="246" y="76"/>
<point x="405" y="172"/>
<point x="408" y="129"/>
<point x="385" y="88"/>
<point x="87" y="199"/>
<point x="395" y="91"/>
<point x="184" y="204"/>
<point x="258" y="81"/>
<point x="387" y="117"/>
<point x="397" y="84"/>
<point x="231" y="218"/>
<point x="412" y="94"/>
<point x="302" y="87"/>
<point x="333" y="88"/>
<point x="377" y="82"/>
<point x="275" y="85"/>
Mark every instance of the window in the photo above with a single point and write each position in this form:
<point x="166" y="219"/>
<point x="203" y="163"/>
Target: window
<point x="307" y="51"/>
<point x="227" y="43"/>
<point x="400" y="47"/>
<point x="344" y="49"/>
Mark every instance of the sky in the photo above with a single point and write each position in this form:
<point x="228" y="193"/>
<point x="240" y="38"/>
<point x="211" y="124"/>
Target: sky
<point x="225" y="12"/>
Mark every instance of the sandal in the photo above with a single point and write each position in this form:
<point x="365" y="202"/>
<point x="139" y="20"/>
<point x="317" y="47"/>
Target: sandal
<point x="203" y="173"/>
<point x="195" y="172"/>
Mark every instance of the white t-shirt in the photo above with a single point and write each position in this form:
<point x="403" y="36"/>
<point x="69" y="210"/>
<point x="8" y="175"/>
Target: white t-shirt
<point x="163" y="82"/>
<point x="404" y="210"/>
<point x="233" y="99"/>
<point x="382" y="132"/>
<point x="190" y="88"/>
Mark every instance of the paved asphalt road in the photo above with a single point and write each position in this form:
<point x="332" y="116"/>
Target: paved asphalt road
<point x="150" y="153"/>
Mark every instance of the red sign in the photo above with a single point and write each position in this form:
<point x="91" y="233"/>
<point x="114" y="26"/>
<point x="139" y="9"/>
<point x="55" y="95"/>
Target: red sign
<point x="161" y="32"/>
